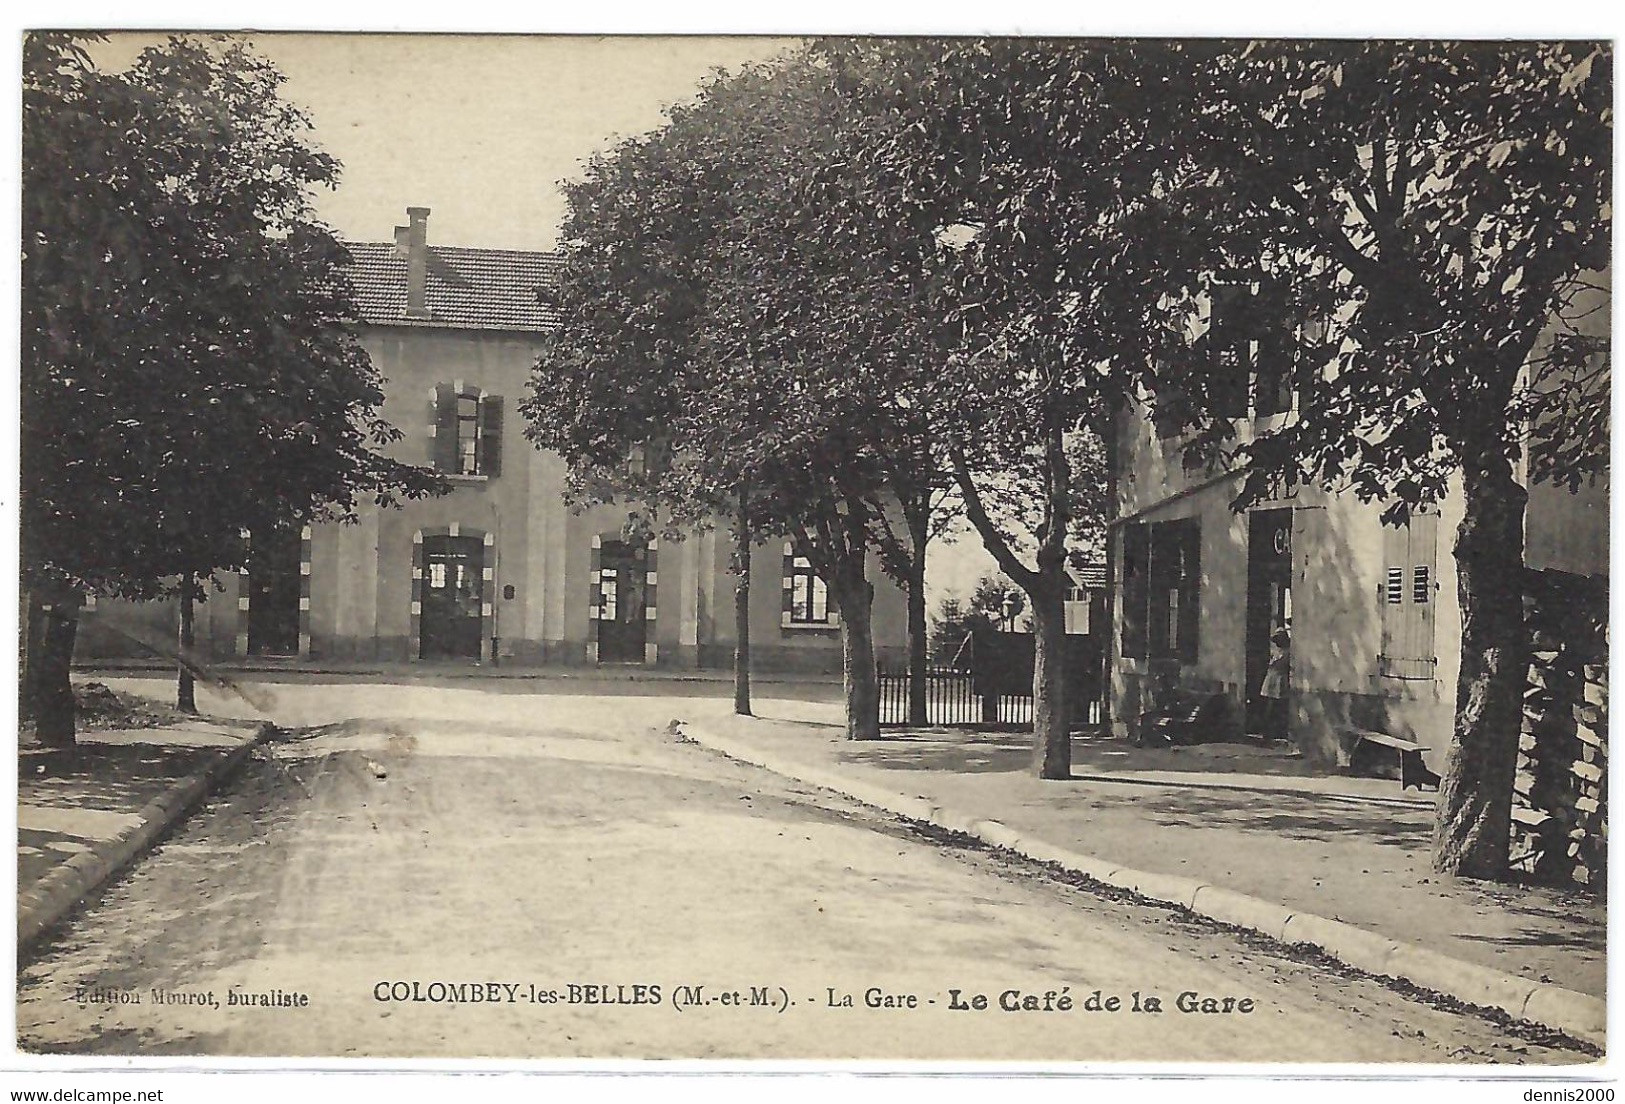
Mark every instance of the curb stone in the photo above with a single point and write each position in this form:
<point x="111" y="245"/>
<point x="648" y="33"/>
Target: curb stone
<point x="47" y="901"/>
<point x="1577" y="1014"/>
<point x="1229" y="907"/>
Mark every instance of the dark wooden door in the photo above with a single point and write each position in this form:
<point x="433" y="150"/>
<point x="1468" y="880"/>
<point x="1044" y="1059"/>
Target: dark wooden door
<point x="273" y="592"/>
<point x="453" y="594"/>
<point x="1269" y="599"/>
<point x="622" y="622"/>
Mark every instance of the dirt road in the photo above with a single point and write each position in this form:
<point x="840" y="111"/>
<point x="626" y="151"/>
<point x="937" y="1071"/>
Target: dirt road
<point x="502" y="875"/>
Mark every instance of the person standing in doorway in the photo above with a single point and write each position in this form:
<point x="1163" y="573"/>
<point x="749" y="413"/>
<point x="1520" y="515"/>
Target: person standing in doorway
<point x="1274" y="687"/>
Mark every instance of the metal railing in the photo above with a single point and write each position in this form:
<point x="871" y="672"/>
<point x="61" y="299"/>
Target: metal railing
<point x="951" y="699"/>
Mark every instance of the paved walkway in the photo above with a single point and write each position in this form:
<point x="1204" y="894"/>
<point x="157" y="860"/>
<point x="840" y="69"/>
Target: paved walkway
<point x="275" y="668"/>
<point x="82" y="814"/>
<point x="1251" y="820"/>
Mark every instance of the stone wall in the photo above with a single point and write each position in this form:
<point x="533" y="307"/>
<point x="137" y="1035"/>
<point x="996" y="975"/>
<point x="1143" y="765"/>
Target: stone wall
<point x="1561" y="802"/>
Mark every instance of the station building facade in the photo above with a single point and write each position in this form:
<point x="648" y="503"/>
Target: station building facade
<point x="501" y="569"/>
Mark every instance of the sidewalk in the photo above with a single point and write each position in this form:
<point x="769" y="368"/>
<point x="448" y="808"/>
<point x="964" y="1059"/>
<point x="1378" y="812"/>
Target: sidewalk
<point x="82" y="815"/>
<point x="1186" y="825"/>
<point x="271" y="669"/>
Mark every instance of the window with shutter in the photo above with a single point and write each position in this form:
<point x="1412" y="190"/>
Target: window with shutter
<point x="1163" y="576"/>
<point x="1310" y="354"/>
<point x="1189" y="535"/>
<point x="1136" y="588"/>
<point x="443" y="429"/>
<point x="490" y="457"/>
<point x="465" y="431"/>
<point x="1230" y="349"/>
<point x="1409" y="553"/>
<point x="1174" y="574"/>
<point x="1076" y="610"/>
<point x="1251" y="352"/>
<point x="468" y="435"/>
<point x="1273" y="364"/>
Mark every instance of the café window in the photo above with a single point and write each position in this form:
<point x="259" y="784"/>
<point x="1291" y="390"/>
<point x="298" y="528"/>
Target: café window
<point x="1161" y="589"/>
<point x="1251" y="354"/>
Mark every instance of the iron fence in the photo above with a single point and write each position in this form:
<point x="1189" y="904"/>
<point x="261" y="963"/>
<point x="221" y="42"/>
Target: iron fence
<point x="951" y="699"/>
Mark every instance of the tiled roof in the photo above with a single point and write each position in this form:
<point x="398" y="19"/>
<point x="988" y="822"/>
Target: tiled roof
<point x="468" y="289"/>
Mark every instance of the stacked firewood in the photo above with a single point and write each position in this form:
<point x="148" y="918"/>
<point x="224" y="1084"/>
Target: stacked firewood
<point x="1560" y="798"/>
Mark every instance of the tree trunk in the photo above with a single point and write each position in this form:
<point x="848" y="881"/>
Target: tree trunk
<point x="742" y="622"/>
<point x="1110" y="640"/>
<point x="1052" y="731"/>
<point x="1475" y="798"/>
<point x="854" y="594"/>
<point x="917" y="631"/>
<point x="53" y="624"/>
<point x="185" y="689"/>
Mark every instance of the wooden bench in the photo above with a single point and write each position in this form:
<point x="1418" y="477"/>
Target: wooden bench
<point x="1186" y="717"/>
<point x="1412" y="770"/>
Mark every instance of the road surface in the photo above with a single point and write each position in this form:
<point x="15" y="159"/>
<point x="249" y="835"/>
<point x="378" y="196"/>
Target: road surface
<point x="473" y="870"/>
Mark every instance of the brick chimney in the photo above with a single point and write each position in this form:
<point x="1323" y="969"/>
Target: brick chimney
<point x="412" y="242"/>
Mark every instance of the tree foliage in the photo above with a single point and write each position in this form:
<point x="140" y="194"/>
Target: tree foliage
<point x="984" y="611"/>
<point x="187" y="367"/>
<point x="1439" y="212"/>
<point x="188" y="371"/>
<point x="1040" y="170"/>
<point x="718" y="305"/>
<point x="973" y="254"/>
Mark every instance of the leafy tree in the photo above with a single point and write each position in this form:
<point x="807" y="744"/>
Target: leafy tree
<point x="826" y="283"/>
<point x="1040" y="169"/>
<point x="1439" y="208"/>
<point x="717" y="299"/>
<point x="187" y="369"/>
<point x="620" y="378"/>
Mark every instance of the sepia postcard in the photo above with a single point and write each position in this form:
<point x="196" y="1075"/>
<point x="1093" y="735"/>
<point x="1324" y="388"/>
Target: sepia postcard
<point x="1053" y="552"/>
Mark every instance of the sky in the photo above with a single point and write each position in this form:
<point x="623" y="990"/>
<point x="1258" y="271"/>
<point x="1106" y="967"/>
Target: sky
<point x="478" y="128"/>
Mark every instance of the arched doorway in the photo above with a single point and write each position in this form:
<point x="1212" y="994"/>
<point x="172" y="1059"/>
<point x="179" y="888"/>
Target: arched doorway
<point x="453" y="597"/>
<point x="623" y="568"/>
<point x="274" y="586"/>
<point x="1269" y="610"/>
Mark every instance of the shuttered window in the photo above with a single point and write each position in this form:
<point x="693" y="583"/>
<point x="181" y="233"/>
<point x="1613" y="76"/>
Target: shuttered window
<point x="1162" y="578"/>
<point x="1230" y="348"/>
<point x="1077" y="610"/>
<point x="1274" y="359"/>
<point x="1252" y="358"/>
<point x="465" y="431"/>
<point x="468" y="435"/>
<point x="1136" y="588"/>
<point x="1408" y="589"/>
